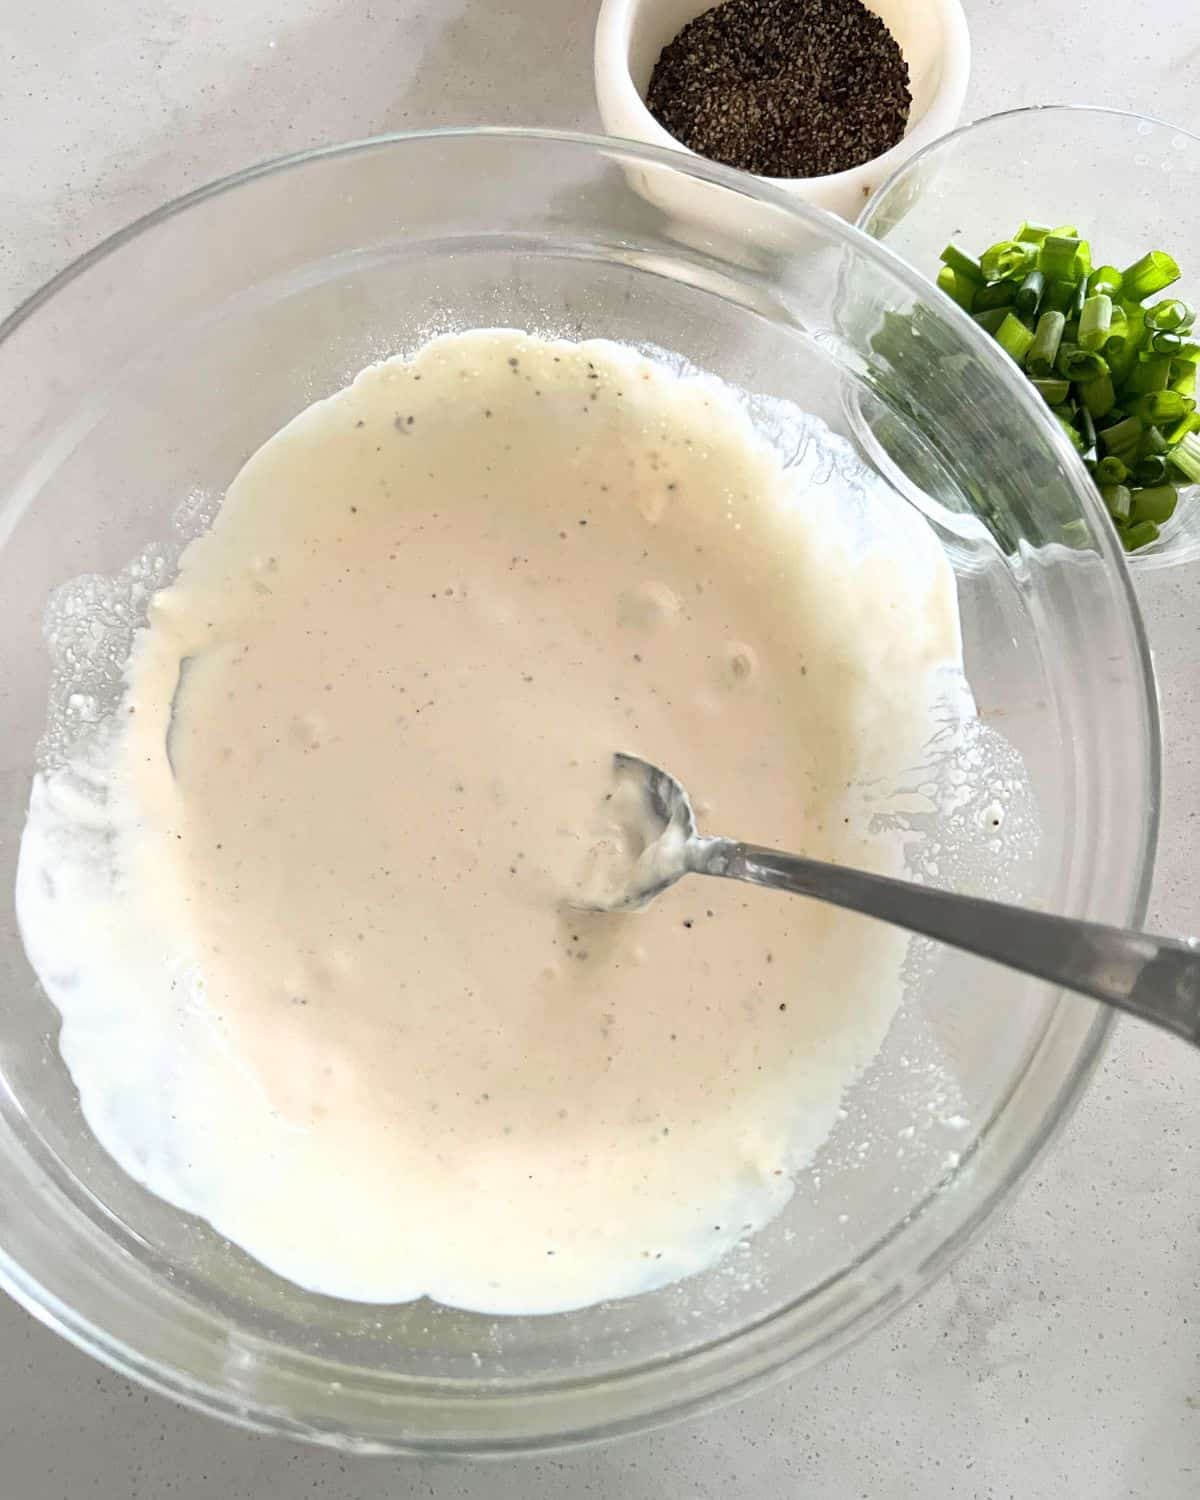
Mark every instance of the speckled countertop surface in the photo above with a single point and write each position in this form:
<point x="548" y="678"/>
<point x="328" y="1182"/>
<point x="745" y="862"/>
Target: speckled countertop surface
<point x="1060" y="1359"/>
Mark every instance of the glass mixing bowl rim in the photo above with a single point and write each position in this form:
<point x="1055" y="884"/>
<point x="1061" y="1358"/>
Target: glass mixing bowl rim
<point x="788" y="1346"/>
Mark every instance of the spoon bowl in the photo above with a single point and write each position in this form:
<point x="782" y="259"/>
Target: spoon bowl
<point x="662" y="828"/>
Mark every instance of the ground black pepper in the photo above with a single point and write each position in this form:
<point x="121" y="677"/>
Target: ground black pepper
<point x="783" y="88"/>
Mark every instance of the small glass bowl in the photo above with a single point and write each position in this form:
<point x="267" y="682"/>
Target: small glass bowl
<point x="1130" y="183"/>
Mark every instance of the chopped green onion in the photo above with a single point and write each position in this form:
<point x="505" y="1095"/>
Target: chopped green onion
<point x="958" y="260"/>
<point x="1170" y="315"/>
<point x="1098" y="396"/>
<point x="1073" y="435"/>
<point x="1118" y="335"/>
<point x="1106" y="279"/>
<point x="1030" y="293"/>
<point x="1151" y="442"/>
<point x="1110" y="470"/>
<point x="1151" y="274"/>
<point x="1095" y="321"/>
<point x="1058" y="257"/>
<point x="1009" y="260"/>
<point x="1181" y="430"/>
<point x="1150" y="372"/>
<point x="1162" y="406"/>
<point x="998" y="294"/>
<point x="1052" y="390"/>
<point x="1156" y="504"/>
<point x="1059" y="295"/>
<point x="1080" y="364"/>
<point x="961" y="288"/>
<point x="1097" y="357"/>
<point x="1087" y="430"/>
<point x="1043" y="351"/>
<point x="1140" y="535"/>
<point x="1122" y="438"/>
<point x="1121" y="361"/>
<point x="1151" y="470"/>
<point x="1134" y="328"/>
<point x="1186" y="456"/>
<point x="991" y="318"/>
<point x="1166" y="343"/>
<point x="1014" y="337"/>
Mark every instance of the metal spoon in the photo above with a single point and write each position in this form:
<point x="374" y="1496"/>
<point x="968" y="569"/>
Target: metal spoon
<point x="1155" y="978"/>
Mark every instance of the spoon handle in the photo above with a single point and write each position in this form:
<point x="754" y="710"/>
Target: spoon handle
<point x="1155" y="978"/>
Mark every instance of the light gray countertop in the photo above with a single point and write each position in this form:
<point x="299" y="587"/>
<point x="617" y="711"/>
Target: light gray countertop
<point x="1060" y="1359"/>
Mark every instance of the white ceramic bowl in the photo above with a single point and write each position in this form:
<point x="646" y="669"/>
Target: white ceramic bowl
<point x="932" y="35"/>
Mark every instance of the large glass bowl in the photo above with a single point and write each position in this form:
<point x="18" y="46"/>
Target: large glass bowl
<point x="1131" y="183"/>
<point x="136" y="384"/>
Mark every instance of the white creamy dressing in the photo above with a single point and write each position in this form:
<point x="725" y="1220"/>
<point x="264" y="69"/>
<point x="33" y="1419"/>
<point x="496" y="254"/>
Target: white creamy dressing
<point x="300" y="901"/>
